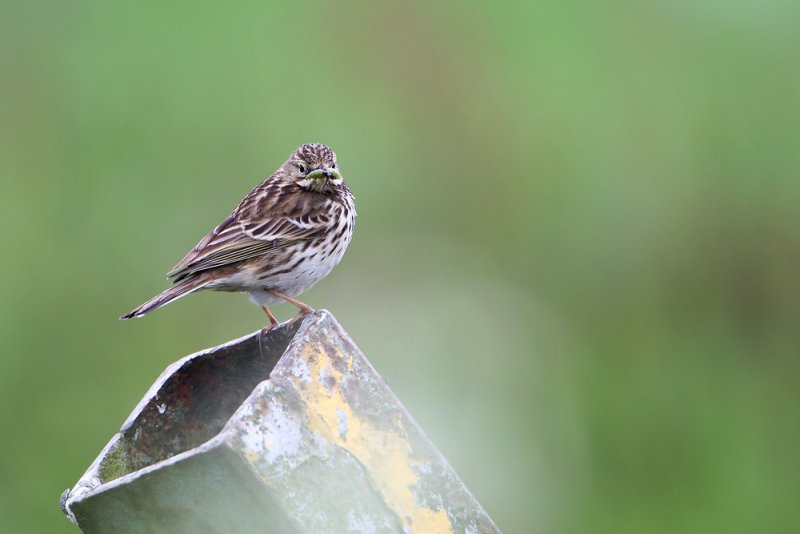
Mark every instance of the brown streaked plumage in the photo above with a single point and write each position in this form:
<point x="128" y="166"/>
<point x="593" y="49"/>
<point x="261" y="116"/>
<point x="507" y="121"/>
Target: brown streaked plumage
<point x="287" y="234"/>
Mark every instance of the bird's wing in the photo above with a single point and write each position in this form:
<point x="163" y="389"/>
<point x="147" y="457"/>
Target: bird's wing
<point x="238" y="240"/>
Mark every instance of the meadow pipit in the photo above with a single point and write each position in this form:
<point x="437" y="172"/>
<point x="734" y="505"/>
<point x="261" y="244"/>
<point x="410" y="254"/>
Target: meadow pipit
<point x="285" y="236"/>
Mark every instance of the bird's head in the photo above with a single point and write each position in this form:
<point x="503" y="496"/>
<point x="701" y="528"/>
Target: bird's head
<point x="313" y="167"/>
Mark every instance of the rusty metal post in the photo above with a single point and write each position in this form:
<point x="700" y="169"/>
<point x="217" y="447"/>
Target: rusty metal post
<point x="291" y="431"/>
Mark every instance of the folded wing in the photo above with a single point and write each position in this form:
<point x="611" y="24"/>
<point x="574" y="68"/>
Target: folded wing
<point x="236" y="240"/>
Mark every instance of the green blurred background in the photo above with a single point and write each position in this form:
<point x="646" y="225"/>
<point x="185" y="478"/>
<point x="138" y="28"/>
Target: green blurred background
<point x="576" y="259"/>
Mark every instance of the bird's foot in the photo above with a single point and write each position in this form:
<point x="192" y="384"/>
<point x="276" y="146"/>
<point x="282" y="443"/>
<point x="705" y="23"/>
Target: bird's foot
<point x="267" y="329"/>
<point x="273" y="322"/>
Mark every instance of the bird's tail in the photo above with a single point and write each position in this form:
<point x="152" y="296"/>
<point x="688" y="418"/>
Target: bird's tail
<point x="182" y="288"/>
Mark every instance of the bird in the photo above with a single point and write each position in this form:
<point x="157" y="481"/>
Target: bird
<point x="286" y="235"/>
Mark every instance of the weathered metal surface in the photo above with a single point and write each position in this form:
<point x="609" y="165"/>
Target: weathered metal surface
<point x="292" y="431"/>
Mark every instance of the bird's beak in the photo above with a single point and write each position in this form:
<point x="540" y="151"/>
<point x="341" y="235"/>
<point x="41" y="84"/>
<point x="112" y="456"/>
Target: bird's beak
<point x="326" y="173"/>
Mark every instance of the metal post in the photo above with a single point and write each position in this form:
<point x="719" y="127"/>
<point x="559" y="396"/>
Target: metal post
<point x="290" y="431"/>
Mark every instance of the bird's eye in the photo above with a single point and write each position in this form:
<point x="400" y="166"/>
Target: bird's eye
<point x="333" y="166"/>
<point x="302" y="168"/>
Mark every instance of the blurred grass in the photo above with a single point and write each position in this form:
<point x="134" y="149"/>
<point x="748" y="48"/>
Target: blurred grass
<point x="576" y="259"/>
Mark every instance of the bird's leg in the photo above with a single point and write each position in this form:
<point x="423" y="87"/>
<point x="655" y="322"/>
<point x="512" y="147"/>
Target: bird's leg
<point x="273" y="321"/>
<point x="305" y="308"/>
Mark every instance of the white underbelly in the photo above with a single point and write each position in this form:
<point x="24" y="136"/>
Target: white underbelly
<point x="299" y="268"/>
<point x="316" y="265"/>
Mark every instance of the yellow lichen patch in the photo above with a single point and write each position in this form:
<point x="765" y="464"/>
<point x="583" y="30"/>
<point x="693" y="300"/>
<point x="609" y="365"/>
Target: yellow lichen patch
<point x="386" y="454"/>
<point x="427" y="520"/>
